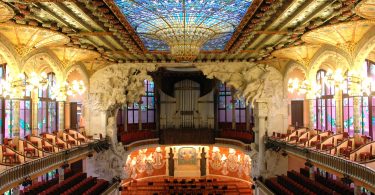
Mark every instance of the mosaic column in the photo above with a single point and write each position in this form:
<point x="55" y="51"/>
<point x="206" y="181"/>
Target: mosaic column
<point x="261" y="111"/>
<point x="16" y="121"/>
<point x="35" y="100"/>
<point x="61" y="116"/>
<point x="60" y="170"/>
<point x="338" y="101"/>
<point x="311" y="173"/>
<point x="357" y="114"/>
<point x="311" y="114"/>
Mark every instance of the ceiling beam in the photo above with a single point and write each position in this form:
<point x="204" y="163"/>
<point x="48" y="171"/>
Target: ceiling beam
<point x="92" y="34"/>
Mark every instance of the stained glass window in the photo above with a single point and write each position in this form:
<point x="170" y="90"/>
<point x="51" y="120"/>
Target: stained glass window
<point x="25" y="118"/>
<point x="226" y="107"/>
<point x="9" y="107"/>
<point x="225" y="104"/>
<point x="47" y="108"/>
<point x="348" y="112"/>
<point x="325" y="105"/>
<point x="150" y="17"/>
<point x="146" y="107"/>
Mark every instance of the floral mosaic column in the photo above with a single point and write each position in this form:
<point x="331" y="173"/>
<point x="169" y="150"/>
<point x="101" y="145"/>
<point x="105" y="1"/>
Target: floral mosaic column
<point x="61" y="116"/>
<point x="34" y="118"/>
<point x="338" y="99"/>
<point x="16" y="119"/>
<point x="357" y="114"/>
<point x="311" y="114"/>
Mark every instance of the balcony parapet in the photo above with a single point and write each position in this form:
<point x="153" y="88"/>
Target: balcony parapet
<point x="16" y="174"/>
<point x="353" y="169"/>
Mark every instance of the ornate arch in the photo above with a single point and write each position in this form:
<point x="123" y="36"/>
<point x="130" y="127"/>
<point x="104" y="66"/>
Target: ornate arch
<point x="364" y="47"/>
<point x="325" y="53"/>
<point x="10" y="55"/>
<point x="51" y="60"/>
<point x="81" y="69"/>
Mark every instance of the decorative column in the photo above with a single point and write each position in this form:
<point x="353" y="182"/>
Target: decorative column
<point x="338" y="100"/>
<point x="16" y="122"/>
<point x="61" y="116"/>
<point x="260" y="112"/>
<point x="60" y="170"/>
<point x="233" y="101"/>
<point x="140" y="115"/>
<point x="34" y="118"/>
<point x="311" y="173"/>
<point x="16" y="190"/>
<point x="357" y="114"/>
<point x="16" y="119"/>
<point x="311" y="114"/>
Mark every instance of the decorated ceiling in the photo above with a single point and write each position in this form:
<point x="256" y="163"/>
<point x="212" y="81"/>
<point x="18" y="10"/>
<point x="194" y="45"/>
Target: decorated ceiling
<point x="144" y="30"/>
<point x="160" y="23"/>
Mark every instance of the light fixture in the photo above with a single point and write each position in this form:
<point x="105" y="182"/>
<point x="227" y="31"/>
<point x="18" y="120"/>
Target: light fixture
<point x="60" y="92"/>
<point x="334" y="78"/>
<point x="304" y="87"/>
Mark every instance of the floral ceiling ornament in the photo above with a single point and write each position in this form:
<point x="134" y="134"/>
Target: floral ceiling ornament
<point x="26" y="38"/>
<point x="184" y="26"/>
<point x="6" y="12"/>
<point x="70" y="55"/>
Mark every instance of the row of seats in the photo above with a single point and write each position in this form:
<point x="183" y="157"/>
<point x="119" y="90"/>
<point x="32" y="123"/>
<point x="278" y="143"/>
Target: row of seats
<point x="336" y="185"/>
<point x="81" y="187"/>
<point x="65" y="185"/>
<point x="43" y="185"/>
<point x="277" y="188"/>
<point x="311" y="185"/>
<point x="129" y="137"/>
<point x="98" y="188"/>
<point x="293" y="186"/>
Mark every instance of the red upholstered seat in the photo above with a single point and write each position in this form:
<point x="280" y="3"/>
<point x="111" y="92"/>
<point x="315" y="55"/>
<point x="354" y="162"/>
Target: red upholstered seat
<point x="327" y="146"/>
<point x="364" y="156"/>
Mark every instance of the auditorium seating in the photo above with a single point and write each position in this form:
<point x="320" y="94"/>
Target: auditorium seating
<point x="300" y="183"/>
<point x="336" y="185"/>
<point x="191" y="186"/>
<point x="38" y="187"/>
<point x="98" y="188"/>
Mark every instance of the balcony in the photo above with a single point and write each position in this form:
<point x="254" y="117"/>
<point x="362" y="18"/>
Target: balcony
<point x="357" y="171"/>
<point x="16" y="174"/>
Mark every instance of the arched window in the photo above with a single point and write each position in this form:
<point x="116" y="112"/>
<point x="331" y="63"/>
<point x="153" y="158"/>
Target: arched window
<point x="47" y="108"/>
<point x="128" y="117"/>
<point x="25" y="113"/>
<point x="325" y="106"/>
<point x="232" y="110"/>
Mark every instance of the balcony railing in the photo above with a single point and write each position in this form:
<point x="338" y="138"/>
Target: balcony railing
<point x="346" y="167"/>
<point x="17" y="174"/>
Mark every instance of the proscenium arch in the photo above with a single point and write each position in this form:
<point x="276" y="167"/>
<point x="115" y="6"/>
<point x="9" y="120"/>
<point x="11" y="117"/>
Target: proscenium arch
<point x="364" y="47"/>
<point x="9" y="54"/>
<point x="325" y="53"/>
<point x="51" y="60"/>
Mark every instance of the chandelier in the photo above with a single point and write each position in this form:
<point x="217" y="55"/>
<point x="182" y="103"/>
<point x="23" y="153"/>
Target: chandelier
<point x="60" y="93"/>
<point x="355" y="84"/>
<point x="185" y="42"/>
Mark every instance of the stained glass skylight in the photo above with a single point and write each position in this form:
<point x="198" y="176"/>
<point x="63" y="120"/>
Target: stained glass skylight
<point x="165" y="25"/>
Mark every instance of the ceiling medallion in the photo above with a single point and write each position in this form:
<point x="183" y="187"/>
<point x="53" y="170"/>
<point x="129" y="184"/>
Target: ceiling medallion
<point x="184" y="27"/>
<point x="6" y="12"/>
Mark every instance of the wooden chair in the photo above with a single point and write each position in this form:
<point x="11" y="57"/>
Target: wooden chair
<point x="28" y="150"/>
<point x="8" y="156"/>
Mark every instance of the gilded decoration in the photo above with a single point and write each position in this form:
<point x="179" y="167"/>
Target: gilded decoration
<point x="366" y="9"/>
<point x="343" y="35"/>
<point x="6" y="12"/>
<point x="302" y="54"/>
<point x="70" y="55"/>
<point x="26" y="38"/>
